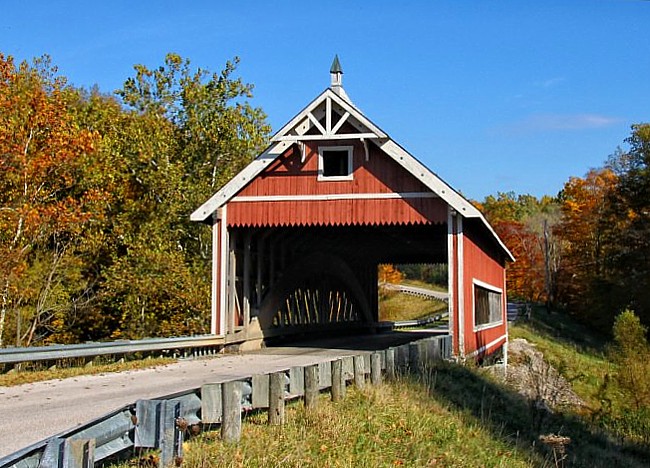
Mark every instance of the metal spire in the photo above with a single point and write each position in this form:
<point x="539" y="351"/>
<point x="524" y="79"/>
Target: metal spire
<point x="336" y="75"/>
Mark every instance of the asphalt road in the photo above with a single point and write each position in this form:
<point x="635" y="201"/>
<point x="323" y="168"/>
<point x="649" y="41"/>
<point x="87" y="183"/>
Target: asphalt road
<point x="33" y="412"/>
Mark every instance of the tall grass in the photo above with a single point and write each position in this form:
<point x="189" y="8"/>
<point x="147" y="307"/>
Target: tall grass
<point x="396" y="424"/>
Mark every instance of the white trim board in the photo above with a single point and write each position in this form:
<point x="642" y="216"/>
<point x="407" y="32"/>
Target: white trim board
<point x="489" y="287"/>
<point x="333" y="196"/>
<point x="488" y="346"/>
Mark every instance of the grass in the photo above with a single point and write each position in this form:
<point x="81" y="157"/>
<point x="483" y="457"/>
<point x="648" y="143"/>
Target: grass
<point x="395" y="306"/>
<point x="396" y="424"/>
<point x="19" y="377"/>
<point x="452" y="415"/>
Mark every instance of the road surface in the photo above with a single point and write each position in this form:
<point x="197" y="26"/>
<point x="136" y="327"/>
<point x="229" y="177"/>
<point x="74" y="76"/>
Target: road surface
<point x="33" y="412"/>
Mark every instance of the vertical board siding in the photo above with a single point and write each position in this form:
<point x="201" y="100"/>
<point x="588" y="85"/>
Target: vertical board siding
<point x="481" y="264"/>
<point x="288" y="176"/>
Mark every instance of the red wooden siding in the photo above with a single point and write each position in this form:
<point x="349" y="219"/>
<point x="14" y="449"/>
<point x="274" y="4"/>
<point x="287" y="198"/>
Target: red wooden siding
<point x="479" y="264"/>
<point x="288" y="176"/>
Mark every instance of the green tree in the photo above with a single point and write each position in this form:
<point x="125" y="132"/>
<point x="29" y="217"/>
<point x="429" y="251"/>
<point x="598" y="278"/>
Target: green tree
<point x="183" y="134"/>
<point x="630" y="208"/>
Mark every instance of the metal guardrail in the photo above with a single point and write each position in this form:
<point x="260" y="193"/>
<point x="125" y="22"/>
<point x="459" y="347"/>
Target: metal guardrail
<point x="420" y="292"/>
<point x="89" y="350"/>
<point x="419" y="322"/>
<point x="162" y="423"/>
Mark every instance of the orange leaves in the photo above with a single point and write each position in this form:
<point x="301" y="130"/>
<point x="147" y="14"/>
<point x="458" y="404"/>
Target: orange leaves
<point x="389" y="274"/>
<point x="525" y="277"/>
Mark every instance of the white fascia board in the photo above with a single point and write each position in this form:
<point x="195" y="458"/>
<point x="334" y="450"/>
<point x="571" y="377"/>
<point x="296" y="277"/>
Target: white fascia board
<point x="438" y="186"/>
<point x="300" y="116"/>
<point x="239" y="181"/>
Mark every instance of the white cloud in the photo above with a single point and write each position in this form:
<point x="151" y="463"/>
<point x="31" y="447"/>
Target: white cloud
<point x="558" y="122"/>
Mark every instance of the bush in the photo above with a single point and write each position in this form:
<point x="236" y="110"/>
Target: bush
<point x="631" y="354"/>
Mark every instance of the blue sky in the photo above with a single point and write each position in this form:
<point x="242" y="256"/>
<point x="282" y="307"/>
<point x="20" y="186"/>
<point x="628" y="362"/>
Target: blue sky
<point x="493" y="95"/>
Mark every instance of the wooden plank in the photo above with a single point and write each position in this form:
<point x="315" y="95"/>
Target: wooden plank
<point x="211" y="406"/>
<point x="375" y="368"/>
<point x="231" y="395"/>
<point x="359" y="371"/>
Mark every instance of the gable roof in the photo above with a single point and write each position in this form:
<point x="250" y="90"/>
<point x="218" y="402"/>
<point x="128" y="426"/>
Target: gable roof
<point x="335" y="98"/>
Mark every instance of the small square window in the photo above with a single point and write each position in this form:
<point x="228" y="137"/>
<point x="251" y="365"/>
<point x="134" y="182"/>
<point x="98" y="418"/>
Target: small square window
<point x="335" y="163"/>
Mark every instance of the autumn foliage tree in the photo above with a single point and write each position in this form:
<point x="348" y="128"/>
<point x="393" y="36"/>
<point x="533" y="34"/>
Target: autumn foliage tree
<point x="525" y="224"/>
<point x="44" y="206"/>
<point x="96" y="192"/>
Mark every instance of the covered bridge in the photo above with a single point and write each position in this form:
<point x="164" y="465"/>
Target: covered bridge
<point x="299" y="233"/>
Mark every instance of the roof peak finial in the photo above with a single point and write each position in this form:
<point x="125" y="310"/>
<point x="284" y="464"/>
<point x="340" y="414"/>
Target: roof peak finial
<point x="336" y="76"/>
<point x="336" y="65"/>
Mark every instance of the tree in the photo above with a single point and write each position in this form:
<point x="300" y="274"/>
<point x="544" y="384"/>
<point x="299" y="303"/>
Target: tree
<point x="43" y="204"/>
<point x="630" y="208"/>
<point x="586" y="229"/>
<point x="183" y="134"/>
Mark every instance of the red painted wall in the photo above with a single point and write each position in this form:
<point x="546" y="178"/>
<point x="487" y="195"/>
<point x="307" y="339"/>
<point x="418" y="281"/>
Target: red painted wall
<point x="288" y="176"/>
<point x="481" y="262"/>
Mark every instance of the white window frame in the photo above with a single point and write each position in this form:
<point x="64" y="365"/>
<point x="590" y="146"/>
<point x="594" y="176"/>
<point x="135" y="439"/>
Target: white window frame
<point x="489" y="287"/>
<point x="350" y="151"/>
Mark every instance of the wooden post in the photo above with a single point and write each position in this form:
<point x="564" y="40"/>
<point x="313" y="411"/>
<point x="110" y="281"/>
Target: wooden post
<point x="359" y="372"/>
<point x="260" y="272"/>
<point x="246" y="299"/>
<point x="311" y="386"/>
<point x="338" y="384"/>
<point x="414" y="357"/>
<point x="231" y="393"/>
<point x="276" y="399"/>
<point x="375" y="368"/>
<point x="390" y="364"/>
<point x="232" y="279"/>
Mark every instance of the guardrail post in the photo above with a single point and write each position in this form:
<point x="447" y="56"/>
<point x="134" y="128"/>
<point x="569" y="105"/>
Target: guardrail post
<point x="231" y="395"/>
<point x="276" y="398"/>
<point x="157" y="427"/>
<point x="390" y="364"/>
<point x="311" y="386"/>
<point x="53" y="454"/>
<point x="338" y="384"/>
<point x="79" y="453"/>
<point x="375" y="368"/>
<point x="359" y="371"/>
<point x="171" y="437"/>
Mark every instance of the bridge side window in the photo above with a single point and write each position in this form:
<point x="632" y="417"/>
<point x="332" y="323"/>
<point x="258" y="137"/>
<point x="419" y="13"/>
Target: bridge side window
<point x="487" y="305"/>
<point x="335" y="163"/>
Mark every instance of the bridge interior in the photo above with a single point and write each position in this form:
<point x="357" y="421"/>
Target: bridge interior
<point x="286" y="280"/>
